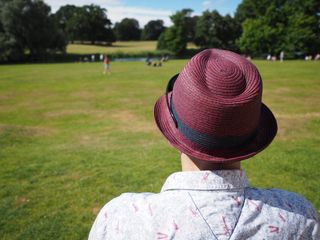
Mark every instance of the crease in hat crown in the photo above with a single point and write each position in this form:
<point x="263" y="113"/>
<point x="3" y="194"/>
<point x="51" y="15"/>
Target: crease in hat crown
<point x="218" y="93"/>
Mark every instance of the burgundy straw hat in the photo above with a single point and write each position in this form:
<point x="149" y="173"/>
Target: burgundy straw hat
<point x="212" y="109"/>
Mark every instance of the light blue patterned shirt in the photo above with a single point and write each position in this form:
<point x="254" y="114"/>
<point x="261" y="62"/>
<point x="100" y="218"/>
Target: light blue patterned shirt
<point x="207" y="205"/>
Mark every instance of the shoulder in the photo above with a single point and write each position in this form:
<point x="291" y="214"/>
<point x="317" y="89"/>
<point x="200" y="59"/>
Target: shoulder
<point x="284" y="213"/>
<point x="285" y="200"/>
<point x="117" y="213"/>
<point x="126" y="201"/>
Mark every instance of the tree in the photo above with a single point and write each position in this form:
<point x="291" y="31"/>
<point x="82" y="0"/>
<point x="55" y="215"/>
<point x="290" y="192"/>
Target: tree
<point x="152" y="30"/>
<point x="87" y="23"/>
<point x="8" y="47"/>
<point x="191" y="23"/>
<point x="27" y="26"/>
<point x="162" y="41"/>
<point x="251" y="9"/>
<point x="175" y="37"/>
<point x="292" y="26"/>
<point x="96" y="25"/>
<point x="65" y="17"/>
<point x="127" y="29"/>
<point x="301" y="35"/>
<point x="214" y="30"/>
<point x="258" y="38"/>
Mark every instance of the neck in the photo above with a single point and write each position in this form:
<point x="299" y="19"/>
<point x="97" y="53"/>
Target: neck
<point x="192" y="164"/>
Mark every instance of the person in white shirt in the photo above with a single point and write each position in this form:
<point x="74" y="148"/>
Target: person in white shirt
<point x="212" y="113"/>
<point x="281" y="56"/>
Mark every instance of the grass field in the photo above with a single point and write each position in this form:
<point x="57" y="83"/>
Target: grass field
<point x="124" y="47"/>
<point x="72" y="138"/>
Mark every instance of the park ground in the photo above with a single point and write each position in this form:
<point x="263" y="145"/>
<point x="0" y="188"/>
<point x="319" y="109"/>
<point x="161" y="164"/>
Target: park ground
<point x="126" y="47"/>
<point x="72" y="138"/>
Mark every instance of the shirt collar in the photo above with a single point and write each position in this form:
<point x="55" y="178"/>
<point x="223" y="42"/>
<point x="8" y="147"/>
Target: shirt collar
<point x="206" y="180"/>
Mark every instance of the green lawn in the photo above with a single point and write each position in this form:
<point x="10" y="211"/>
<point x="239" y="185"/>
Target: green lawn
<point x="123" y="46"/>
<point x="72" y="138"/>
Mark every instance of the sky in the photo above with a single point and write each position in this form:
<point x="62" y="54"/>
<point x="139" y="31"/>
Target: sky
<point x="146" y="10"/>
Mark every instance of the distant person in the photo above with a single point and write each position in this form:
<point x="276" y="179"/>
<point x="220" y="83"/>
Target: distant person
<point x="281" y="56"/>
<point x="317" y="57"/>
<point x="93" y="58"/>
<point x="269" y="57"/>
<point x="106" y="64"/>
<point x="212" y="113"/>
<point x="101" y="57"/>
<point x="273" y="58"/>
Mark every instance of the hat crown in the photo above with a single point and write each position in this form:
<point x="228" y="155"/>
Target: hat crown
<point x="219" y="93"/>
<point x="221" y="76"/>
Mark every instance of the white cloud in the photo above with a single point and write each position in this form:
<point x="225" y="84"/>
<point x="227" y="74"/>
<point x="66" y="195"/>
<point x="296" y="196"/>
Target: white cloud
<point x="56" y="4"/>
<point x="218" y="3"/>
<point x="116" y="10"/>
<point x="144" y="15"/>
<point x="206" y="4"/>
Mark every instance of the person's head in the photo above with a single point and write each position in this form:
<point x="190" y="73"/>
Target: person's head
<point x="212" y="110"/>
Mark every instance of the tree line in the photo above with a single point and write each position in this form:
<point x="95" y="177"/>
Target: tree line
<point x="27" y="27"/>
<point x="90" y="23"/>
<point x="258" y="28"/>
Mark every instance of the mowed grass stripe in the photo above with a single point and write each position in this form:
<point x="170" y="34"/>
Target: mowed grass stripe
<point x="128" y="47"/>
<point x="72" y="138"/>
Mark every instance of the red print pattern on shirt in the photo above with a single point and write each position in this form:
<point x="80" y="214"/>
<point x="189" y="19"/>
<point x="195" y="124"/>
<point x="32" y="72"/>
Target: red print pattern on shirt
<point x="205" y="177"/>
<point x="255" y="204"/>
<point x="194" y="212"/>
<point x="282" y="217"/>
<point x="225" y="226"/>
<point x="162" y="236"/>
<point x="238" y="200"/>
<point x="273" y="229"/>
<point x="291" y="215"/>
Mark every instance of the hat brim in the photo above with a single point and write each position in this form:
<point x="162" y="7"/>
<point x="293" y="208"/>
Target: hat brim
<point x="266" y="131"/>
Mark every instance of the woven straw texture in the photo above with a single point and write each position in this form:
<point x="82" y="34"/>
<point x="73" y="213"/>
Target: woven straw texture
<point x="218" y="94"/>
